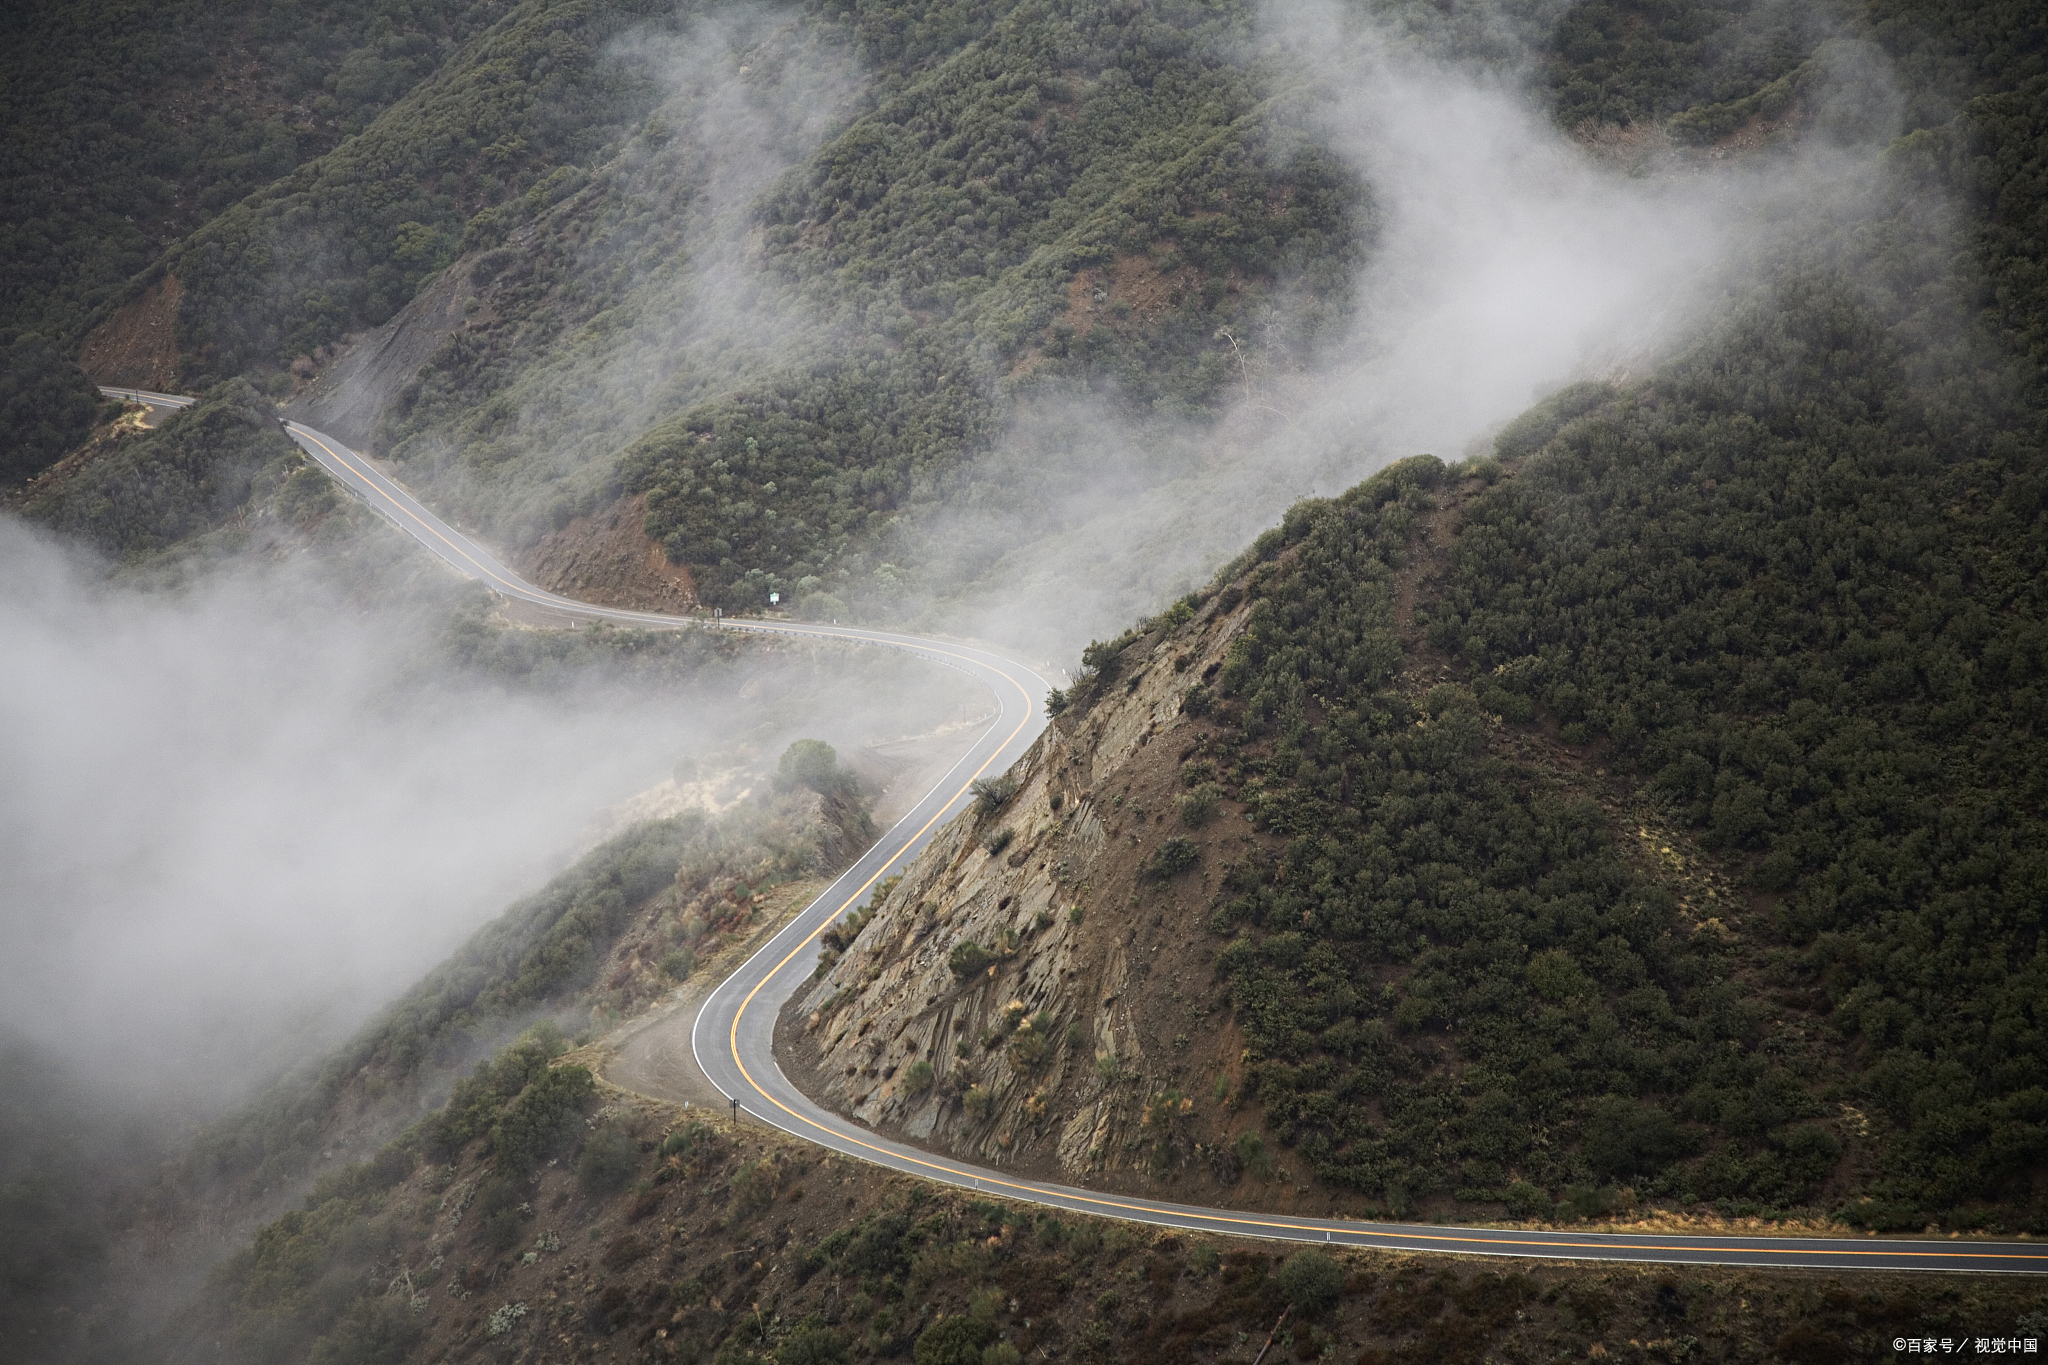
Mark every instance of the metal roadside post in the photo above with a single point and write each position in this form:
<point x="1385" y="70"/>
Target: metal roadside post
<point x="735" y="1115"/>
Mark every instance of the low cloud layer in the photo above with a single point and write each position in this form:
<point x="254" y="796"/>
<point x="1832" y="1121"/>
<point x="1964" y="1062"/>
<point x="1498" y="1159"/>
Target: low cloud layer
<point x="1508" y="261"/>
<point x="237" y="820"/>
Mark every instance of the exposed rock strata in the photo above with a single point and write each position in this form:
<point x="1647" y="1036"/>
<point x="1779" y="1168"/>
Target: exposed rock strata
<point x="1122" y="990"/>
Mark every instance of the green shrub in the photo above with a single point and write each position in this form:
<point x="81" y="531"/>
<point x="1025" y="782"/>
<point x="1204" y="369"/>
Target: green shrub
<point x="998" y="841"/>
<point x="991" y="792"/>
<point x="877" y="1248"/>
<point x="812" y="1344"/>
<point x="541" y="1121"/>
<point x="1173" y="857"/>
<point x="1311" y="1281"/>
<point x="950" y="1340"/>
<point x="610" y="1157"/>
<point x="968" y="959"/>
<point x="678" y="963"/>
<point x="684" y="1141"/>
<point x="1197" y="806"/>
<point x="919" y="1077"/>
<point x="1526" y="1201"/>
<point x="1623" y="1137"/>
<point x="978" y="1101"/>
<point x="1029" y="1049"/>
<point x="754" y="1186"/>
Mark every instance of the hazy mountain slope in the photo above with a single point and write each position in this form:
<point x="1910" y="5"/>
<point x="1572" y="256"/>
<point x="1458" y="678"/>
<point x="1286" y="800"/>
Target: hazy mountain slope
<point x="124" y="127"/>
<point x="782" y="274"/>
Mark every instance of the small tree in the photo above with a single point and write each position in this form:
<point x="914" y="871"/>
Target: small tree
<point x="812" y="763"/>
<point x="968" y="959"/>
<point x="991" y="792"/>
<point x="1311" y="1281"/>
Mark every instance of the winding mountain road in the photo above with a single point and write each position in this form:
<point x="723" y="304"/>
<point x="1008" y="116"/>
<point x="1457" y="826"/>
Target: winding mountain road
<point x="733" y="1034"/>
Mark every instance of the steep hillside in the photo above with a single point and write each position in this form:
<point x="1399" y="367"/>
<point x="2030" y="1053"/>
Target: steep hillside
<point x="48" y="407"/>
<point x="135" y="491"/>
<point x="661" y="909"/>
<point x="124" y="127"/>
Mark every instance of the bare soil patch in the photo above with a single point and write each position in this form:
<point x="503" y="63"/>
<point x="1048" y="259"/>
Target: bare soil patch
<point x="137" y="347"/>
<point x="608" y="557"/>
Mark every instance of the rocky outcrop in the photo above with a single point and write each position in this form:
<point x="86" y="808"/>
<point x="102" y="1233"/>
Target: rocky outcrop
<point x="1034" y="986"/>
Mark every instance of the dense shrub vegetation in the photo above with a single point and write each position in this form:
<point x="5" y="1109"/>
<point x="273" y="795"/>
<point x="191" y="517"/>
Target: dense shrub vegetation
<point x="46" y="405"/>
<point x="1790" y="589"/>
<point x="1433" y="888"/>
<point x="394" y="1262"/>
<point x="1079" y="197"/>
<point x="127" y="126"/>
<point x="348" y="239"/>
<point x="155" y="488"/>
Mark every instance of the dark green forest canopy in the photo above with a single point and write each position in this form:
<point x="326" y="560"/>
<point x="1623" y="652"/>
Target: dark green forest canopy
<point x="125" y="126"/>
<point x="1812" y="619"/>
<point x="348" y="239"/>
<point x="152" y="489"/>
<point x="936" y="243"/>
<point x="958" y="216"/>
<point x="47" y="406"/>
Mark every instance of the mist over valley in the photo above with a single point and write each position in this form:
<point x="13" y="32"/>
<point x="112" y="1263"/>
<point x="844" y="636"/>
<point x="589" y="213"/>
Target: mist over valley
<point x="1412" y="621"/>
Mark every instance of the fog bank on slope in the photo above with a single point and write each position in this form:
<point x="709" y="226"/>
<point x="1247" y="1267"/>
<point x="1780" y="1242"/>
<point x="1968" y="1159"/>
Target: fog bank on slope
<point x="239" y="818"/>
<point x="1508" y="261"/>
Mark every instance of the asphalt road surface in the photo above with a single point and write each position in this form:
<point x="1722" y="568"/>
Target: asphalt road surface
<point x="733" y="1034"/>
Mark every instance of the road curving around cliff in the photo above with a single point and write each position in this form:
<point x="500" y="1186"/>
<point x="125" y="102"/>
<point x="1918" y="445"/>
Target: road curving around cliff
<point x="732" y="1036"/>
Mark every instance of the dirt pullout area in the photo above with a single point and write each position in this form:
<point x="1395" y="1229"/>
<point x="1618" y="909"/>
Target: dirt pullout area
<point x="137" y="347"/>
<point x="349" y="396"/>
<point x="608" y="557"/>
<point x="651" y="1056"/>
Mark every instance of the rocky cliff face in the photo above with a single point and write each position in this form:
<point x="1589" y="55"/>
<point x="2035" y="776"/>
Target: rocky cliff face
<point x="1037" y="989"/>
